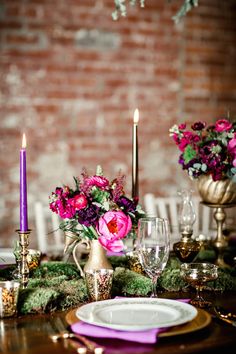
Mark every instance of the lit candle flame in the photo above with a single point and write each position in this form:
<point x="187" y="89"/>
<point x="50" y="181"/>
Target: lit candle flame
<point x="23" y="141"/>
<point x="136" y="116"/>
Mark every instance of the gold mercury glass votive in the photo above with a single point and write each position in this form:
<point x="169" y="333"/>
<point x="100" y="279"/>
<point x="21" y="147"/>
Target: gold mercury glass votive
<point x="134" y="263"/>
<point x="99" y="284"/>
<point x="9" y="291"/>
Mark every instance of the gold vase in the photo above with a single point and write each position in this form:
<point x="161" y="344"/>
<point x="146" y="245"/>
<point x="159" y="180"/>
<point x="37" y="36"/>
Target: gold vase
<point x="216" y="192"/>
<point x="97" y="257"/>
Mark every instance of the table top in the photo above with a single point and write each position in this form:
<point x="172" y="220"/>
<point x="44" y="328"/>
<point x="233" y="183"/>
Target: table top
<point x="30" y="334"/>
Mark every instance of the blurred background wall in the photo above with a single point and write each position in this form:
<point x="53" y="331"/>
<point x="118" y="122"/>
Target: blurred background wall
<point x="71" y="78"/>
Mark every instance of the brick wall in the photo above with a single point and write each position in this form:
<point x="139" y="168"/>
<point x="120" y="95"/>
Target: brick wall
<point x="71" y="78"/>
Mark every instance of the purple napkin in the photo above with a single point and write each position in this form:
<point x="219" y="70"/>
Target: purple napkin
<point x="110" y="253"/>
<point x="147" y="336"/>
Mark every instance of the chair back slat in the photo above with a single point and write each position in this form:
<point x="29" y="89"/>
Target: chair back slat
<point x="168" y="207"/>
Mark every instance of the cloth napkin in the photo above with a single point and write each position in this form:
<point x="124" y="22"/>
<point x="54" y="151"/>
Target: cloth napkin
<point x="147" y="336"/>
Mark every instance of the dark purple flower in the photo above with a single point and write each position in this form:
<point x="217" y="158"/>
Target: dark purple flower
<point x="126" y="204"/>
<point x="198" y="126"/>
<point x="88" y="216"/>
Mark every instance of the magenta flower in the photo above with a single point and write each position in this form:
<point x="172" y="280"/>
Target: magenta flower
<point x="222" y="125"/>
<point x="113" y="226"/>
<point x="182" y="126"/>
<point x="207" y="149"/>
<point x="96" y="209"/>
<point x="187" y="139"/>
<point x="232" y="149"/>
<point x="78" y="202"/>
<point x="98" y="181"/>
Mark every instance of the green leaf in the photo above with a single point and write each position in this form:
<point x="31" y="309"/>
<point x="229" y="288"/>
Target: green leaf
<point x="189" y="154"/>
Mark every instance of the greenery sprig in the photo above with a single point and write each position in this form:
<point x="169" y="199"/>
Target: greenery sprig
<point x="121" y="8"/>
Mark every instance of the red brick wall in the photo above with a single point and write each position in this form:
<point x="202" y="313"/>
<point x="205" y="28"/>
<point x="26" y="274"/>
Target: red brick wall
<point x="71" y="78"/>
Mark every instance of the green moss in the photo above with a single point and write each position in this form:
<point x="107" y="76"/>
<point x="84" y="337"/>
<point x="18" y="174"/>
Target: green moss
<point x="39" y="300"/>
<point x="55" y="269"/>
<point x="127" y="282"/>
<point x="59" y="286"/>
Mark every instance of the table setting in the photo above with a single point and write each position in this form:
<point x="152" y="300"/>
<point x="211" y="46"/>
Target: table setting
<point x="117" y="299"/>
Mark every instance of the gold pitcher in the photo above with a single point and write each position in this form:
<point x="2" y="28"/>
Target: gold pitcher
<point x="97" y="256"/>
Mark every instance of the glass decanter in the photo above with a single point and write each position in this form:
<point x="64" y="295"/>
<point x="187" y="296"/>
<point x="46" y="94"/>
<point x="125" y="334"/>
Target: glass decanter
<point x="187" y="248"/>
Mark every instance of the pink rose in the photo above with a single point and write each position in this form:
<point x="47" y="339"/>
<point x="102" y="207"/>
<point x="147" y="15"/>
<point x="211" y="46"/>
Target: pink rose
<point x="113" y="226"/>
<point x="222" y="125"/>
<point x="78" y="202"/>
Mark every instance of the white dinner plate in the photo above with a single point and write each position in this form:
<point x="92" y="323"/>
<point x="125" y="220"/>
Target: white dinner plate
<point x="6" y="257"/>
<point x="136" y="314"/>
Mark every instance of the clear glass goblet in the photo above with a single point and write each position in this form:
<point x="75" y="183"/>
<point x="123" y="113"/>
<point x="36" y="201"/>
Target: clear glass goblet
<point x="197" y="274"/>
<point x="153" y="246"/>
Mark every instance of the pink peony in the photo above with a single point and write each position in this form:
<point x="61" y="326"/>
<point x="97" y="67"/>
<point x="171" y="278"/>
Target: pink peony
<point x="112" y="227"/>
<point x="222" y="125"/>
<point x="113" y="246"/>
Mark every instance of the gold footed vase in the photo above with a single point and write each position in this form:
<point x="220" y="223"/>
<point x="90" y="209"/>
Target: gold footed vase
<point x="218" y="195"/>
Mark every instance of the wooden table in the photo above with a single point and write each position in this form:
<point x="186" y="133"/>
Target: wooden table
<point x="30" y="335"/>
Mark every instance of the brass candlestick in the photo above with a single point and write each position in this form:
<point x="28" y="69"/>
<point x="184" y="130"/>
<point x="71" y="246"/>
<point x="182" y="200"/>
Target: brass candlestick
<point x="24" y="269"/>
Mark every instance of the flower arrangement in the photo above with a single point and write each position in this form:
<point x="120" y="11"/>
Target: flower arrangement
<point x="207" y="149"/>
<point x="96" y="209"/>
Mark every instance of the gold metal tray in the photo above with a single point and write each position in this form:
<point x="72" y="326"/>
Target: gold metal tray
<point x="202" y="320"/>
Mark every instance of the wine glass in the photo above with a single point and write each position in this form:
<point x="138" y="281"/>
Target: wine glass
<point x="153" y="246"/>
<point x="197" y="274"/>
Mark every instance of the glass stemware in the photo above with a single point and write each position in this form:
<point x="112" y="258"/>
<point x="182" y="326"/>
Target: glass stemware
<point x="197" y="274"/>
<point x="153" y="246"/>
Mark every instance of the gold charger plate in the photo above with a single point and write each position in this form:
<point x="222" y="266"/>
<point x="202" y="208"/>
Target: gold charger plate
<point x="202" y="320"/>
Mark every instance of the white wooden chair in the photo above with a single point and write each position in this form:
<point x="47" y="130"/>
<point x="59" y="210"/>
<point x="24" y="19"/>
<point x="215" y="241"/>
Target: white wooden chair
<point x="168" y="207"/>
<point x="50" y="239"/>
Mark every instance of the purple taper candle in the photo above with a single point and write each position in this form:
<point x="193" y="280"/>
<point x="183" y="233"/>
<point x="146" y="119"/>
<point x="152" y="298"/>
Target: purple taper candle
<point x="23" y="188"/>
<point x="135" y="183"/>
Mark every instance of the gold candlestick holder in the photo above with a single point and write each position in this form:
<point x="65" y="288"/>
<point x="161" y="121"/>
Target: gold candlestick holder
<point x="220" y="243"/>
<point x="24" y="269"/>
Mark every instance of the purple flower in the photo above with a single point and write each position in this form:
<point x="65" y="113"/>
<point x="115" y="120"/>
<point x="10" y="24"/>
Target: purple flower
<point x="198" y="126"/>
<point x="207" y="149"/>
<point x="126" y="204"/>
<point x="88" y="216"/>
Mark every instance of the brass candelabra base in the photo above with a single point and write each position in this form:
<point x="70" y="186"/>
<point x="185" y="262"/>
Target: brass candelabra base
<point x="220" y="243"/>
<point x="23" y="267"/>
